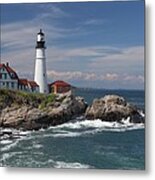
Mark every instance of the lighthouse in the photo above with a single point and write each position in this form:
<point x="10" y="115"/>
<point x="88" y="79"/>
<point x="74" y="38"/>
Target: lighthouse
<point x="40" y="76"/>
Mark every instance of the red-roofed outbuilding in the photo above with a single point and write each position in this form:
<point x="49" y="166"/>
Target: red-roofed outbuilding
<point x="33" y="86"/>
<point x="59" y="87"/>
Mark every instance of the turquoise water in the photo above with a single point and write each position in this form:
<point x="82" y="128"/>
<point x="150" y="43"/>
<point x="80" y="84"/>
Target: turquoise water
<point x="81" y="143"/>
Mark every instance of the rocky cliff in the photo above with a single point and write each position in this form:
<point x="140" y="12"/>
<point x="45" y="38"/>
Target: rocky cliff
<point x="34" y="111"/>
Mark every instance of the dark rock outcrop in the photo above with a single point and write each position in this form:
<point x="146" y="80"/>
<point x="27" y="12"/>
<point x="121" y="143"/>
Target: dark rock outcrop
<point x="113" y="108"/>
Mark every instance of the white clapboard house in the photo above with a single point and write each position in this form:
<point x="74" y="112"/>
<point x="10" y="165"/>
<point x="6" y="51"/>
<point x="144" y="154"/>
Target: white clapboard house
<point x="10" y="80"/>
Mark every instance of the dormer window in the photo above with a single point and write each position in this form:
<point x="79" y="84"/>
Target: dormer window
<point x="4" y="76"/>
<point x="12" y="75"/>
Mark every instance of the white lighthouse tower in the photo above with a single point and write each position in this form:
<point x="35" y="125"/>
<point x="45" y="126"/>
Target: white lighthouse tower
<point x="40" y="76"/>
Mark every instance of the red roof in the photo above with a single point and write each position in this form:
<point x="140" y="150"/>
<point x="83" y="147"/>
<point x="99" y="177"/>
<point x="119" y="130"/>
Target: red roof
<point x="23" y="82"/>
<point x="1" y="65"/>
<point x="13" y="75"/>
<point x="11" y="72"/>
<point x="60" y="83"/>
<point x="33" y="84"/>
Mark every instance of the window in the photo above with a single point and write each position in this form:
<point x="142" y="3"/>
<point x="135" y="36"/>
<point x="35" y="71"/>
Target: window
<point x="7" y="84"/>
<point x="3" y="83"/>
<point x="60" y="89"/>
<point x="4" y="76"/>
<point x="12" y="84"/>
<point x="52" y="89"/>
<point x="12" y="75"/>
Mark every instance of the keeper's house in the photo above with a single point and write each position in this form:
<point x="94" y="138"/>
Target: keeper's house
<point x="10" y="80"/>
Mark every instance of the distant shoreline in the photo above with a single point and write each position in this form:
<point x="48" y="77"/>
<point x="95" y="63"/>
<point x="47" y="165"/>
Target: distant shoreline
<point x="104" y="89"/>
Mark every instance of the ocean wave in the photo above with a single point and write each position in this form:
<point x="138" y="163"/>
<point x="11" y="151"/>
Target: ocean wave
<point x="6" y="156"/>
<point x="37" y="146"/>
<point x="89" y="127"/>
<point x="69" y="165"/>
<point x="141" y="113"/>
<point x="125" y="124"/>
<point x="6" y="141"/>
<point x="9" y="146"/>
<point x="73" y="129"/>
<point x="32" y="162"/>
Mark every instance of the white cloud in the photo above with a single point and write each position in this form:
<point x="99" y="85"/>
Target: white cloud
<point x="110" y="77"/>
<point x="126" y="60"/>
<point x="133" y="53"/>
<point x="93" y="22"/>
<point x="85" y="76"/>
<point x="100" y="60"/>
<point x="138" y="78"/>
<point x="52" y="11"/>
<point x="21" y="35"/>
<point x="93" y="53"/>
<point x="71" y="75"/>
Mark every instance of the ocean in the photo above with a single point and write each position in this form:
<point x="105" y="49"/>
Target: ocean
<point x="81" y="143"/>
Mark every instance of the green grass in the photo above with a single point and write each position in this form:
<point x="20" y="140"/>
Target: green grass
<point x="48" y="100"/>
<point x="12" y="97"/>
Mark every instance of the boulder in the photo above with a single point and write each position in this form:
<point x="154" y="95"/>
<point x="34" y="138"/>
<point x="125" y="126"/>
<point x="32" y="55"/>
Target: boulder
<point x="113" y="108"/>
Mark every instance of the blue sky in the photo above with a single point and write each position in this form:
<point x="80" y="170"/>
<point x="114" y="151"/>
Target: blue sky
<point x="89" y="44"/>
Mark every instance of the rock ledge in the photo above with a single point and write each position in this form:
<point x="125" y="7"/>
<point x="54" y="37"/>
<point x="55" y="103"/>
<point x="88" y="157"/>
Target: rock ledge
<point x="113" y="108"/>
<point x="21" y="112"/>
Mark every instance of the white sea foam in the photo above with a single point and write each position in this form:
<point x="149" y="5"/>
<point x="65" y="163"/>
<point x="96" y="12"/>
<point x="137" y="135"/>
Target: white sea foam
<point x="101" y="125"/>
<point x="24" y="133"/>
<point x="11" y="143"/>
<point x="68" y="165"/>
<point x="60" y="134"/>
<point x="89" y="127"/>
<point x="67" y="134"/>
<point x="9" y="146"/>
<point x="6" y="141"/>
<point x="37" y="146"/>
<point x="6" y="156"/>
<point x="74" y="129"/>
<point x="52" y="163"/>
<point x="141" y="113"/>
<point x="10" y="134"/>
